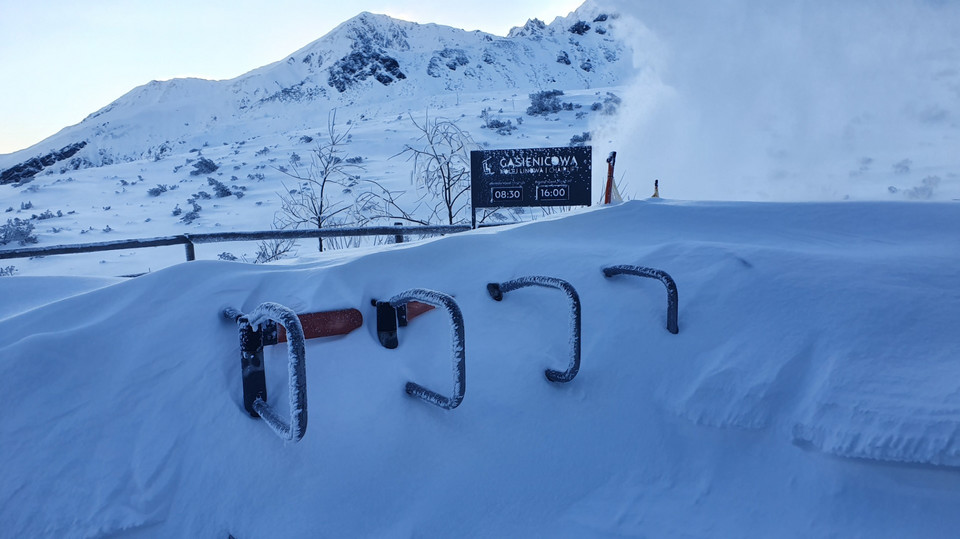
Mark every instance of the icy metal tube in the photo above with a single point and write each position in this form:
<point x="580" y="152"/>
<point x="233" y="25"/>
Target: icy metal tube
<point x="254" y="379"/>
<point x="662" y="276"/>
<point x="457" y="333"/>
<point x="496" y="291"/>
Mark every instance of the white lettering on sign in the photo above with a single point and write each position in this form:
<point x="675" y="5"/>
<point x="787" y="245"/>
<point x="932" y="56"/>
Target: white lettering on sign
<point x="531" y="162"/>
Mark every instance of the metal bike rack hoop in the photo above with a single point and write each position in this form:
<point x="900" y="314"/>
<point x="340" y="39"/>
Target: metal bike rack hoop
<point x="438" y="299"/>
<point x="662" y="276"/>
<point x="496" y="291"/>
<point x="254" y="380"/>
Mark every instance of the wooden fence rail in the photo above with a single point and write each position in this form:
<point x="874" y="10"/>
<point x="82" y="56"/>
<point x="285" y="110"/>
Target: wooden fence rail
<point x="189" y="240"/>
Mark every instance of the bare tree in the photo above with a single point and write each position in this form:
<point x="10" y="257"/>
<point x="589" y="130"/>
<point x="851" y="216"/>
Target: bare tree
<point x="310" y="204"/>
<point x="377" y="203"/>
<point x="441" y="163"/>
<point x="274" y="249"/>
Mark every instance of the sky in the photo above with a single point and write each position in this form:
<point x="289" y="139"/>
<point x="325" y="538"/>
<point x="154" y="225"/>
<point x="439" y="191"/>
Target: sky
<point x="63" y="60"/>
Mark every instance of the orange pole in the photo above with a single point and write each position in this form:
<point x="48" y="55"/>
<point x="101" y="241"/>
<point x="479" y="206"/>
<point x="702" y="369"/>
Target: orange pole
<point x="608" y="192"/>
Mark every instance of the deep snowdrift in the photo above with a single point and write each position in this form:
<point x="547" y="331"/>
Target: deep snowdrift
<point x="812" y="388"/>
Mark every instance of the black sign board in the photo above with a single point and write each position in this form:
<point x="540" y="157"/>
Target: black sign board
<point x="531" y="177"/>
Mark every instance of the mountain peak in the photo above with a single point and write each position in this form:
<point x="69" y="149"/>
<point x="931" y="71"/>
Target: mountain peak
<point x="369" y="58"/>
<point x="367" y="30"/>
<point x="533" y="27"/>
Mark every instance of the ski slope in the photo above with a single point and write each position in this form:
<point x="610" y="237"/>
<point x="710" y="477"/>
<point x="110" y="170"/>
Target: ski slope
<point x="812" y="389"/>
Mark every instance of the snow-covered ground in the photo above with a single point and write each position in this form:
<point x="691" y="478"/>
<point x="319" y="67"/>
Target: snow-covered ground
<point x="114" y="202"/>
<point x="811" y="389"/>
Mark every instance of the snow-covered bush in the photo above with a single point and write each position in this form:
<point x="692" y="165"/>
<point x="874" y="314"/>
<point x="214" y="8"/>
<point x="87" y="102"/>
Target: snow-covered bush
<point x="159" y="189"/>
<point x="902" y="167"/>
<point x="611" y="104"/>
<point x="219" y="189"/>
<point x="191" y="215"/>
<point x="47" y="214"/>
<point x="545" y="102"/>
<point x="496" y="124"/>
<point x="203" y="166"/>
<point x="580" y="140"/>
<point x="17" y="230"/>
<point x="926" y="188"/>
<point x="8" y="271"/>
<point x="272" y="250"/>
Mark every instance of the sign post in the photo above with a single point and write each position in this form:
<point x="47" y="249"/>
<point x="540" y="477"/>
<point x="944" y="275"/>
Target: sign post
<point x="530" y="177"/>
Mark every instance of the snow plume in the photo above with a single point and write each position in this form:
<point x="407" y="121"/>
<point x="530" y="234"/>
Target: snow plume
<point x="791" y="100"/>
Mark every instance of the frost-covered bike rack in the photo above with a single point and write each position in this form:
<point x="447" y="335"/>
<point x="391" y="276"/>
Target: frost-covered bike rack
<point x="662" y="276"/>
<point x="387" y="309"/>
<point x="252" y="328"/>
<point x="497" y="290"/>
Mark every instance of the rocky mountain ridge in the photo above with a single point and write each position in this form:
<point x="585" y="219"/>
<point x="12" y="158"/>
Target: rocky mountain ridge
<point x="367" y="59"/>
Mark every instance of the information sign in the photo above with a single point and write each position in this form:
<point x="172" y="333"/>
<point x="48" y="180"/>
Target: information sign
<point x="531" y="177"/>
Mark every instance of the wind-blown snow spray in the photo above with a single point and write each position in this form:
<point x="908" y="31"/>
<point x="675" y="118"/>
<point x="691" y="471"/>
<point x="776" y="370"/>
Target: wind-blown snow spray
<point x="781" y="101"/>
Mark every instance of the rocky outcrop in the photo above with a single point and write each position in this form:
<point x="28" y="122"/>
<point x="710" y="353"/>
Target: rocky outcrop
<point x="361" y="64"/>
<point x="31" y="167"/>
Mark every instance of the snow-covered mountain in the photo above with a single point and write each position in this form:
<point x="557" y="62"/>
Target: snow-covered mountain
<point x="148" y="163"/>
<point x="369" y="59"/>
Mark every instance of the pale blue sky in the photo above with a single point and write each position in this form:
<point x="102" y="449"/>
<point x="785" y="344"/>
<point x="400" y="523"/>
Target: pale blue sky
<point x="61" y="60"/>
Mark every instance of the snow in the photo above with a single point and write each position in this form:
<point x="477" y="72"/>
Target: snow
<point x="811" y="389"/>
